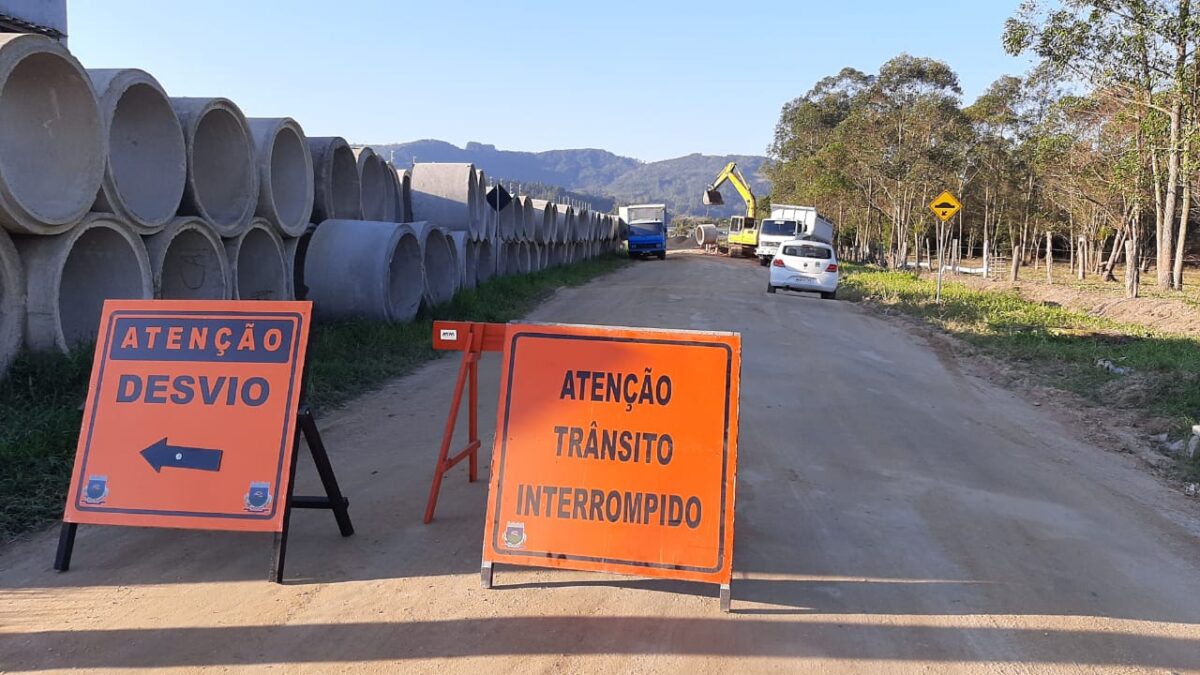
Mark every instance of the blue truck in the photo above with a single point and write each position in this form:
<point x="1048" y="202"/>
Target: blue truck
<point x="647" y="229"/>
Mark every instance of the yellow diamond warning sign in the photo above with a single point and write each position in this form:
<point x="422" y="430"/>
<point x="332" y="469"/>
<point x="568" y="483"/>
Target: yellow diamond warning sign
<point x="944" y="206"/>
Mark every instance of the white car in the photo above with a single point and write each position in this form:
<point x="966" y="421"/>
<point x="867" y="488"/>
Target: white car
<point x="805" y="265"/>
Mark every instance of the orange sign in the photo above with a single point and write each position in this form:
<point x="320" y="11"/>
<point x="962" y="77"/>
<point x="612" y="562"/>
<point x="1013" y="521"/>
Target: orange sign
<point x="616" y="451"/>
<point x="190" y="415"/>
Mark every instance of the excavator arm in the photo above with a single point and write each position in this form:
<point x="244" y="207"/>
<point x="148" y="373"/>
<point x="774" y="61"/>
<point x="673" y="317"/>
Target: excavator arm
<point x="731" y="174"/>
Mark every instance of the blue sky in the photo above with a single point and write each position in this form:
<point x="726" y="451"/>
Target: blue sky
<point x="647" y="79"/>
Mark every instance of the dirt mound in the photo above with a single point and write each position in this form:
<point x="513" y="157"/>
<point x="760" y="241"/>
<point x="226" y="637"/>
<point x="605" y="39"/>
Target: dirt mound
<point x="680" y="243"/>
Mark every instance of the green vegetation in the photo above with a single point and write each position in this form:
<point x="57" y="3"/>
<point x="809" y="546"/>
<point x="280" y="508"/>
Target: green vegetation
<point x="41" y="400"/>
<point x="1060" y="346"/>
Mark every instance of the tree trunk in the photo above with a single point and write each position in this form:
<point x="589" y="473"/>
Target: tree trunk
<point x="1049" y="258"/>
<point x="1131" y="269"/>
<point x="1083" y="258"/>
<point x="1183" y="227"/>
<point x="985" y="257"/>
<point x="1015" y="269"/>
<point x="1118" y="243"/>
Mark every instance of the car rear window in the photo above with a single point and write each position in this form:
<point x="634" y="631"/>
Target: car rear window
<point x="818" y="252"/>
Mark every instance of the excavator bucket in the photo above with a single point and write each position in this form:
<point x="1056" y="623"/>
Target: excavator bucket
<point x="713" y="197"/>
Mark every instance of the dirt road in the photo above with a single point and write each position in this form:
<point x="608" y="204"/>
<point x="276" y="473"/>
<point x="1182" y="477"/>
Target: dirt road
<point x="894" y="514"/>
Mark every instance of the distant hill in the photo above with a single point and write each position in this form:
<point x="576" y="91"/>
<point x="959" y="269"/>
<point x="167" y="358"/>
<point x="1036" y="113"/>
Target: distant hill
<point x="597" y="176"/>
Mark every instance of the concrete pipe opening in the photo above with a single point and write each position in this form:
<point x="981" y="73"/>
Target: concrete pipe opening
<point x="52" y="144"/>
<point x="706" y="234"/>
<point x="444" y="194"/>
<point x="188" y="262"/>
<point x="222" y="183"/>
<point x="485" y="261"/>
<point x="257" y="270"/>
<point x="12" y="302"/>
<point x="337" y="194"/>
<point x="373" y="182"/>
<point x="69" y="276"/>
<point x="407" y="277"/>
<point x="147" y="158"/>
<point x="285" y="174"/>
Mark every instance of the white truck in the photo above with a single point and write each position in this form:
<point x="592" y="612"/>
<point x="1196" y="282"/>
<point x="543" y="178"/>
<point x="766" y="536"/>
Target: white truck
<point x="788" y="222"/>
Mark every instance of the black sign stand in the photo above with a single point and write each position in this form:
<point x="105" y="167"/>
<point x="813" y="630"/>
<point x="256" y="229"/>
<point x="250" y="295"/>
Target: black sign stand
<point x="306" y="424"/>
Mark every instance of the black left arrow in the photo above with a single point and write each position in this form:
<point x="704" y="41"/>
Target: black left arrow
<point x="162" y="454"/>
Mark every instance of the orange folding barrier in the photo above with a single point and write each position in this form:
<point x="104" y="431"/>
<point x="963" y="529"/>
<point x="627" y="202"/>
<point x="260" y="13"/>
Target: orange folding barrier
<point x="472" y="339"/>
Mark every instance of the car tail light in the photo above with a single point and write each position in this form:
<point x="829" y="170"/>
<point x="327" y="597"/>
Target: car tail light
<point x="832" y="267"/>
<point x="777" y="262"/>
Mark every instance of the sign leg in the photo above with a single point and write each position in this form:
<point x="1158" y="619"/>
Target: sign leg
<point x="473" y="419"/>
<point x="279" y="555"/>
<point x="725" y="598"/>
<point x="66" y="546"/>
<point x="340" y="505"/>
<point x="485" y="575"/>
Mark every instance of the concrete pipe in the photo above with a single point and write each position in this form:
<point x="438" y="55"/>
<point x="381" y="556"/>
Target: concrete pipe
<point x="471" y="270"/>
<point x="294" y="251"/>
<point x="512" y="263"/>
<point x="509" y="220"/>
<point x="544" y="221"/>
<point x="52" y="141"/>
<point x="69" y="276"/>
<point x="364" y="269"/>
<point x="372" y="176"/>
<point x="147" y="158"/>
<point x="565" y="223"/>
<point x="536" y="262"/>
<point x="461" y="256"/>
<point x="397" y="211"/>
<point x="582" y="219"/>
<point x="405" y="205"/>
<point x="187" y="262"/>
<point x="337" y="193"/>
<point x="445" y="194"/>
<point x="222" y="179"/>
<point x="525" y="258"/>
<point x="285" y="174"/>
<point x="525" y="223"/>
<point x="485" y="261"/>
<point x="705" y="234"/>
<point x="483" y="212"/>
<point x="12" y="302"/>
<point x="257" y="270"/>
<point x="437" y="254"/>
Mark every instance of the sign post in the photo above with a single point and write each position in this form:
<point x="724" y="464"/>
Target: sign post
<point x="944" y="206"/>
<point x="193" y="418"/>
<point x="616" y="451"/>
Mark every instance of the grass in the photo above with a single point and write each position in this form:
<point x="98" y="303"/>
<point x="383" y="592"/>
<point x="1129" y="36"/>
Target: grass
<point x="41" y="397"/>
<point x="1057" y="345"/>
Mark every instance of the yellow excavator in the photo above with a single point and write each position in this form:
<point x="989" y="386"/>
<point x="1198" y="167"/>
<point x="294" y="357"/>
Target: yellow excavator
<point x="743" y="230"/>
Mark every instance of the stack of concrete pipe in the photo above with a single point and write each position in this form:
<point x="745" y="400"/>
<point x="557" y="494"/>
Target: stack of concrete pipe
<point x="131" y="193"/>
